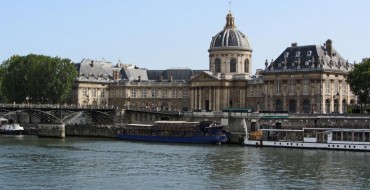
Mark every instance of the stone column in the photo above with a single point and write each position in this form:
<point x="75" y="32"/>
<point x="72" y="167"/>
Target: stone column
<point x="200" y="97"/>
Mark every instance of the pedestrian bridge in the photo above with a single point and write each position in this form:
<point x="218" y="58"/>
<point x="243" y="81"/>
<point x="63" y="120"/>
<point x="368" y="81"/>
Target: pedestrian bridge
<point x="49" y="113"/>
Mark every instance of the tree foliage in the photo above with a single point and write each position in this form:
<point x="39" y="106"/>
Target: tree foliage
<point x="359" y="81"/>
<point x="2" y="71"/>
<point x="38" y="78"/>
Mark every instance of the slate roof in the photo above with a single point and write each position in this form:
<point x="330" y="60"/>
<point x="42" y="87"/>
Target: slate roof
<point x="308" y="58"/>
<point x="93" y="70"/>
<point x="134" y="74"/>
<point x="176" y="74"/>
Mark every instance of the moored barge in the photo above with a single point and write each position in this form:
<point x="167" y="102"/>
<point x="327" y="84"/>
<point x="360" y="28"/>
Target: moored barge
<point x="174" y="132"/>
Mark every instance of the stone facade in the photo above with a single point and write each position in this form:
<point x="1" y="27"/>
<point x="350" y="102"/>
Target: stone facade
<point x="303" y="79"/>
<point x="91" y="88"/>
<point x="308" y="79"/>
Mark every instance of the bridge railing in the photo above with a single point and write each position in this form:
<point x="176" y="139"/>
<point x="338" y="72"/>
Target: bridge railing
<point x="63" y="106"/>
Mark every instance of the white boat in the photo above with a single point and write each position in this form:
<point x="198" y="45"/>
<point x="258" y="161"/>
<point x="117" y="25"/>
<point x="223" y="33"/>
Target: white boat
<point x="314" y="138"/>
<point x="10" y="128"/>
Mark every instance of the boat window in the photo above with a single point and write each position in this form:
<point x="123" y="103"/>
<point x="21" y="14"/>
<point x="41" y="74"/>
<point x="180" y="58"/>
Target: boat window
<point x="347" y="136"/>
<point x="367" y="134"/>
<point x="358" y="136"/>
<point x="337" y="136"/>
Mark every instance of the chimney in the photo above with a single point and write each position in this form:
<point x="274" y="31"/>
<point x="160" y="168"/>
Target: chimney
<point x="294" y="44"/>
<point x="116" y="75"/>
<point x="161" y="78"/>
<point x="92" y="64"/>
<point x="329" y="47"/>
<point x="139" y="78"/>
<point x="171" y="78"/>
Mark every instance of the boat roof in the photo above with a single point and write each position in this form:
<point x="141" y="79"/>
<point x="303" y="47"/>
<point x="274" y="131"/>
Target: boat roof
<point x="291" y="130"/>
<point x="317" y="129"/>
<point x="143" y="125"/>
<point x="337" y="129"/>
<point x="175" y="122"/>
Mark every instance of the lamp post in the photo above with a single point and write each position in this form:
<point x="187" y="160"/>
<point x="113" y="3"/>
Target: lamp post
<point x="28" y="101"/>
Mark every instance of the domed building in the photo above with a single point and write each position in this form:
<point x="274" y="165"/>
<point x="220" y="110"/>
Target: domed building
<point x="230" y="52"/>
<point x="230" y="66"/>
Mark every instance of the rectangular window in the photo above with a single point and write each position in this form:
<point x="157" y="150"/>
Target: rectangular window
<point x="336" y="87"/>
<point x="251" y="92"/>
<point x="174" y="93"/>
<point x="278" y="87"/>
<point x="291" y="87"/>
<point x="133" y="93"/>
<point x="154" y="93"/>
<point x="102" y="93"/>
<point x="122" y="93"/>
<point x="185" y="93"/>
<point x="165" y="93"/>
<point x="306" y="85"/>
<point x="256" y="91"/>
<point x="84" y="92"/>
<point x="143" y="93"/>
<point x="93" y="92"/>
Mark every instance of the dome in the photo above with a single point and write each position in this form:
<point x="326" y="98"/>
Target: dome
<point x="230" y="37"/>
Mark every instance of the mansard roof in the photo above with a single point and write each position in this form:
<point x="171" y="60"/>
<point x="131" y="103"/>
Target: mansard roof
<point x="177" y="74"/>
<point x="93" y="70"/>
<point x="134" y="74"/>
<point x="309" y="58"/>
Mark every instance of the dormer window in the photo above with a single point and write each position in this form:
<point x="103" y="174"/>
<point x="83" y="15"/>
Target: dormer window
<point x="286" y="54"/>
<point x="297" y="54"/>
<point x="309" y="53"/>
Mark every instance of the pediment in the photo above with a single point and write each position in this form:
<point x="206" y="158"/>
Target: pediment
<point x="204" y="76"/>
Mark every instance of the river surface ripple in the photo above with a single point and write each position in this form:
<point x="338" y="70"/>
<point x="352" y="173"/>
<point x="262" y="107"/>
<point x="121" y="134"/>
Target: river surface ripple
<point x="29" y="162"/>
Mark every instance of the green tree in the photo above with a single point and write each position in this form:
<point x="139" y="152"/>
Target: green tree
<point x="359" y="81"/>
<point x="38" y="78"/>
<point x="2" y="71"/>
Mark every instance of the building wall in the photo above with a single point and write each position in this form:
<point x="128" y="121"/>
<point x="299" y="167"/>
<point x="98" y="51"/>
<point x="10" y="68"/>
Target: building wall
<point x="92" y="94"/>
<point x="150" y="95"/>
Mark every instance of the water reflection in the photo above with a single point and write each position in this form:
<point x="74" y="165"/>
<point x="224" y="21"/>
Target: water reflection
<point x="89" y="163"/>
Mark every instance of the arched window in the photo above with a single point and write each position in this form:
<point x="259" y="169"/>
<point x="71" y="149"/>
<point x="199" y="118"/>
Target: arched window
<point x="292" y="106"/>
<point x="246" y="66"/>
<point x="344" y="106"/>
<point x="306" y="106"/>
<point x="278" y="105"/>
<point x="233" y="65"/>
<point x="217" y="65"/>
<point x="336" y="106"/>
<point x="327" y="106"/>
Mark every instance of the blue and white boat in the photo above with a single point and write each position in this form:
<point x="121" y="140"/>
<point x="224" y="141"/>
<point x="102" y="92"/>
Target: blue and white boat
<point x="10" y="128"/>
<point x="174" y="132"/>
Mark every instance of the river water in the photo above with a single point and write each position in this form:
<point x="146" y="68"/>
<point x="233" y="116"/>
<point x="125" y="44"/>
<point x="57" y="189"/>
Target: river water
<point x="29" y="162"/>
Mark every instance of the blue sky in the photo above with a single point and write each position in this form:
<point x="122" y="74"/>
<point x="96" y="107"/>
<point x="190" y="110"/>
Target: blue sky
<point x="162" y="34"/>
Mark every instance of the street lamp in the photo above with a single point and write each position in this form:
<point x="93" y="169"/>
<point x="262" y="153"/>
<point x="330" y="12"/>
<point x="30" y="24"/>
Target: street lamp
<point x="28" y="101"/>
